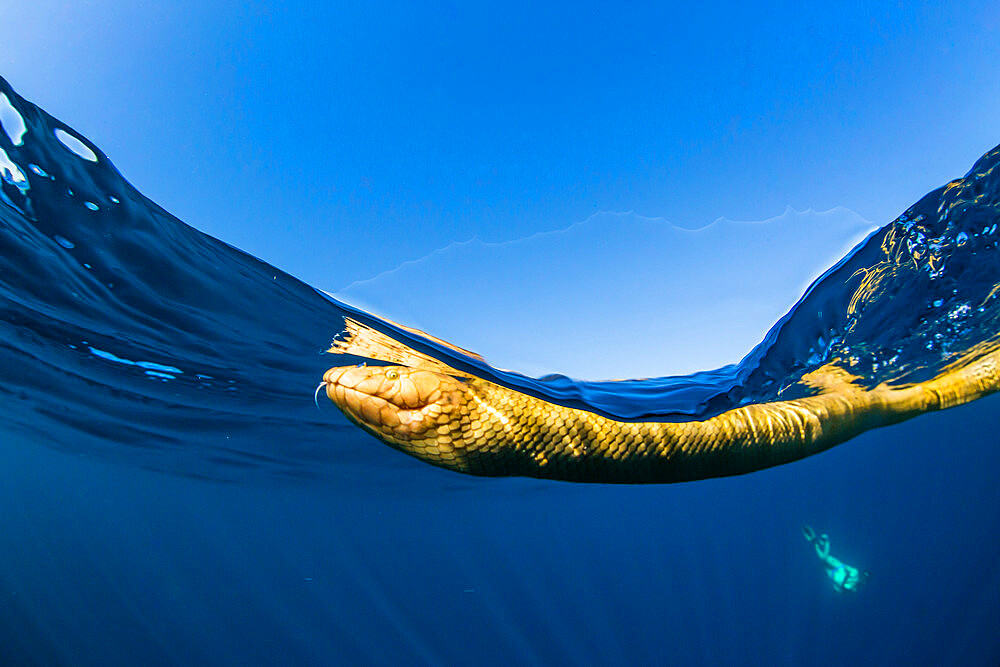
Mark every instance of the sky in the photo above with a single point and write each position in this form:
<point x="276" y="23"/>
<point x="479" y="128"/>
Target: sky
<point x="340" y="142"/>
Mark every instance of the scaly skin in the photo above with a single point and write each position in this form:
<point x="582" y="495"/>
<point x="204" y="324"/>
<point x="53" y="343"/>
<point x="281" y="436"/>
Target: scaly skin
<point x="477" y="427"/>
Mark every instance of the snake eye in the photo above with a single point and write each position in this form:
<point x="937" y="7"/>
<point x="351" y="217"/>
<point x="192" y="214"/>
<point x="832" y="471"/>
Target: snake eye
<point x="392" y="375"/>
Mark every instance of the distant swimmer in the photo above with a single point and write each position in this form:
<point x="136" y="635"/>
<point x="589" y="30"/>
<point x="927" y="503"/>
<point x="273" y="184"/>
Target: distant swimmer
<point x="846" y="579"/>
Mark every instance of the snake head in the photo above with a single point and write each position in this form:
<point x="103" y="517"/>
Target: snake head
<point x="400" y="405"/>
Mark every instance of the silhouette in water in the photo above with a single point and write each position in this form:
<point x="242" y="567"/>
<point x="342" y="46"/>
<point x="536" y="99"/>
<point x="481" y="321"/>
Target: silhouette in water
<point x="845" y="578"/>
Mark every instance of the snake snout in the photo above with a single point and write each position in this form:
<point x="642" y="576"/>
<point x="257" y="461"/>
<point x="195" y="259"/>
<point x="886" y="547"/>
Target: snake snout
<point x="331" y="376"/>
<point x="395" y="400"/>
<point x="348" y="376"/>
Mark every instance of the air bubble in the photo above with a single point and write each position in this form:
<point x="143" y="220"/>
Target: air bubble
<point x="961" y="239"/>
<point x="38" y="170"/>
<point x="64" y="242"/>
<point x="91" y="205"/>
<point x="960" y="311"/>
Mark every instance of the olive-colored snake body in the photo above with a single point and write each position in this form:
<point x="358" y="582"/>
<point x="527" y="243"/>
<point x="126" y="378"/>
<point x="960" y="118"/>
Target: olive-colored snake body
<point x="465" y="423"/>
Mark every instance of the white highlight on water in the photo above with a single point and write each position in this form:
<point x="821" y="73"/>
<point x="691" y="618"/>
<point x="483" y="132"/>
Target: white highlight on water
<point x="11" y="173"/>
<point x="152" y="368"/>
<point x="11" y="120"/>
<point x="75" y="145"/>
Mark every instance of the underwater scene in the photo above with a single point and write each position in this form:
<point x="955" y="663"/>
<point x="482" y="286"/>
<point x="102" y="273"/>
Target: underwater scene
<point x="182" y="486"/>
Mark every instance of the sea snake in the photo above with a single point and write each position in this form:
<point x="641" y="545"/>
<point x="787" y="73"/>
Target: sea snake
<point x="465" y="423"/>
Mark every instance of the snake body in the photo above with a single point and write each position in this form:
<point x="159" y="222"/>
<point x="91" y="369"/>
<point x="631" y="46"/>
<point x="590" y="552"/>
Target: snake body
<point x="474" y="426"/>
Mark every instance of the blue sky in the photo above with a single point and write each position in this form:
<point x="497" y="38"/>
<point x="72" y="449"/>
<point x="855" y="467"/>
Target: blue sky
<point x="340" y="142"/>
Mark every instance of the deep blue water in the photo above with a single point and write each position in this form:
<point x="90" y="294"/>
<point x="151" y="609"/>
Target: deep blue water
<point x="171" y="495"/>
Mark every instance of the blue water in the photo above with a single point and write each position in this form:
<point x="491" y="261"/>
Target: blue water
<point x="171" y="495"/>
